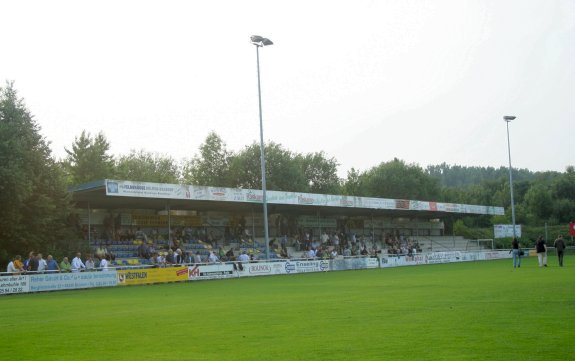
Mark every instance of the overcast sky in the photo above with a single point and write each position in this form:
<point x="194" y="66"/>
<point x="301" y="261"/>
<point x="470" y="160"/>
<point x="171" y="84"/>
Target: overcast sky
<point x="364" y="81"/>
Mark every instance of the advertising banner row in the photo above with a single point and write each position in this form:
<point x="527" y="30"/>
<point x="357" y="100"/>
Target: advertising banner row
<point x="442" y="257"/>
<point x="68" y="281"/>
<point x="120" y="188"/>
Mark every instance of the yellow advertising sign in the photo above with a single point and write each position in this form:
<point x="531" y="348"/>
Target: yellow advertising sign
<point x="152" y="275"/>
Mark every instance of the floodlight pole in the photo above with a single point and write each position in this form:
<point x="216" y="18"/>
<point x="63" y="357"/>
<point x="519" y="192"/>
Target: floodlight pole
<point x="509" y="118"/>
<point x="258" y="41"/>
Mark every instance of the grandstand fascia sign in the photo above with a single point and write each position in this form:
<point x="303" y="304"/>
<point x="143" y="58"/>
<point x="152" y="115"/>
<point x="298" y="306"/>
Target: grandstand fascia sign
<point x="119" y="188"/>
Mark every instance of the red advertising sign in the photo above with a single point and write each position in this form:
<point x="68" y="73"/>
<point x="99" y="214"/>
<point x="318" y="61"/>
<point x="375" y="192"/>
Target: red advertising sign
<point x="572" y="229"/>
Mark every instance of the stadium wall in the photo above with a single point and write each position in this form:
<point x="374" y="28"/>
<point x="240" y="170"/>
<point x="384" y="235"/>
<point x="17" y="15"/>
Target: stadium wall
<point x="15" y="284"/>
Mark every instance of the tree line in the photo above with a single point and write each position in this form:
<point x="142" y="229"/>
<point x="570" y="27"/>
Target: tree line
<point x="36" y="207"/>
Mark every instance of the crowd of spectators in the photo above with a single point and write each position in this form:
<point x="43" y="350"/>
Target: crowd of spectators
<point x="399" y="245"/>
<point x="35" y="263"/>
<point x="151" y="251"/>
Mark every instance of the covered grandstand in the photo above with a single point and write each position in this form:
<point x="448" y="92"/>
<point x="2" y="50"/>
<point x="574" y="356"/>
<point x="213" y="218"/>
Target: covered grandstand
<point x="122" y="214"/>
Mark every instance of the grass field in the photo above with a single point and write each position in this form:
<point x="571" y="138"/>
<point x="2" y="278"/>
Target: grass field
<point x="464" y="311"/>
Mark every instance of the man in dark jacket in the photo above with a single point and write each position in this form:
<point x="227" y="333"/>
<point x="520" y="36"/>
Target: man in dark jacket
<point x="560" y="248"/>
<point x="541" y="249"/>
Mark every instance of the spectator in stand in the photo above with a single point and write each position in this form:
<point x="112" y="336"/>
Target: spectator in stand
<point x="143" y="251"/>
<point x="559" y="245"/>
<point x="178" y="257"/>
<point x="229" y="256"/>
<point x="212" y="258"/>
<point x="333" y="254"/>
<point x="160" y="260"/>
<point x="32" y="263"/>
<point x="42" y="264"/>
<point x="90" y="264"/>
<point x="51" y="264"/>
<point x="189" y="257"/>
<point x="324" y="238"/>
<point x="18" y="263"/>
<point x="170" y="257"/>
<point x="65" y="265"/>
<point x="27" y="260"/>
<point x="221" y="254"/>
<point x="541" y="248"/>
<point x="347" y="252"/>
<point x="197" y="258"/>
<point x="104" y="263"/>
<point x="243" y="257"/>
<point x="77" y="264"/>
<point x="12" y="268"/>
<point x="310" y="253"/>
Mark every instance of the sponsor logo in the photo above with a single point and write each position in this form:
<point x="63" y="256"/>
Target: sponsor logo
<point x="182" y="271"/>
<point x="251" y="196"/>
<point x="218" y="192"/>
<point x="304" y="200"/>
<point x="193" y="272"/>
<point x="346" y="203"/>
<point x="259" y="269"/>
<point x="290" y="267"/>
<point x="401" y="204"/>
<point x="112" y="187"/>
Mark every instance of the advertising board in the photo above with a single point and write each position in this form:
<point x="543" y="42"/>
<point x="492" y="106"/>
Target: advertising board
<point x="152" y="275"/>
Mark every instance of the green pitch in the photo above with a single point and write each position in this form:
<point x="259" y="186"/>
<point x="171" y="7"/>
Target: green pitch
<point x="465" y="311"/>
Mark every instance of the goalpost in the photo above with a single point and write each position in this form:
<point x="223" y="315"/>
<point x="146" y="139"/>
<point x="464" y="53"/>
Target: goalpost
<point x="482" y="243"/>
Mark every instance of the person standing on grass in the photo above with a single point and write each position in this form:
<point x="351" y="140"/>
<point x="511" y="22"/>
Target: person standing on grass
<point x="515" y="252"/>
<point x="560" y="248"/>
<point x="541" y="249"/>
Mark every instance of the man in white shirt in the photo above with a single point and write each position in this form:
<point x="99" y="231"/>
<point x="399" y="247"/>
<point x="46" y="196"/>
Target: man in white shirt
<point x="243" y="257"/>
<point x="41" y="263"/>
<point x="77" y="264"/>
<point x="212" y="258"/>
<point x="104" y="264"/>
<point x="11" y="268"/>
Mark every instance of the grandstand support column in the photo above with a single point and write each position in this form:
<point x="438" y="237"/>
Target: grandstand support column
<point x="89" y="225"/>
<point x="507" y="119"/>
<point x="169" y="223"/>
<point x="259" y="41"/>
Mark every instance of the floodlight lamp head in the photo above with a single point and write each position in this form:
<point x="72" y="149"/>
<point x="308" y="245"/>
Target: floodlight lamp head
<point x="509" y="118"/>
<point x="260" y="41"/>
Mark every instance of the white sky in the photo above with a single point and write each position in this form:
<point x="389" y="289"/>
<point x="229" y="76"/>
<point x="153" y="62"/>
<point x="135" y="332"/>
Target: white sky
<point x="365" y="81"/>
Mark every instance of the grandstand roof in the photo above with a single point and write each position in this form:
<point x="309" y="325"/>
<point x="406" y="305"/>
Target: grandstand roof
<point x="119" y="194"/>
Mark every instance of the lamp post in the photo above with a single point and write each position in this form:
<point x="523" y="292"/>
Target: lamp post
<point x="507" y="119"/>
<point x="259" y="42"/>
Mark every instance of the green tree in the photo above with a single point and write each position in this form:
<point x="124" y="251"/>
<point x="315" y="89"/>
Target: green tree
<point x="538" y="202"/>
<point x="320" y="173"/>
<point x="89" y="159"/>
<point x="396" y="179"/>
<point x="144" y="166"/>
<point x="283" y="172"/>
<point x="33" y="195"/>
<point x="352" y="184"/>
<point x="211" y="167"/>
